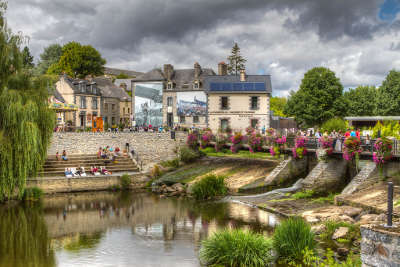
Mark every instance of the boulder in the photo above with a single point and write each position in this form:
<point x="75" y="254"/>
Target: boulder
<point x="340" y="233"/>
<point x="318" y="229"/>
<point x="178" y="187"/>
<point x="368" y="218"/>
<point x="351" y="211"/>
<point x="170" y="189"/>
<point x="311" y="219"/>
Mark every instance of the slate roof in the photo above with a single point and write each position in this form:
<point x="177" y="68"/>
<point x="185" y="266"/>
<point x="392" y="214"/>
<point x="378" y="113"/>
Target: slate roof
<point x="153" y="75"/>
<point x="232" y="84"/>
<point x="128" y="83"/>
<point x="115" y="71"/>
<point x="108" y="89"/>
<point x="58" y="96"/>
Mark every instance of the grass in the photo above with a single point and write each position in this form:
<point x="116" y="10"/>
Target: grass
<point x="331" y="226"/>
<point x="188" y="155"/>
<point x="291" y="238"/>
<point x="210" y="187"/>
<point x="236" y="248"/>
<point x="125" y="181"/>
<point x="328" y="199"/>
<point x="173" y="163"/>
<point x="32" y="194"/>
<point x="303" y="194"/>
<point x="209" y="151"/>
<point x="397" y="203"/>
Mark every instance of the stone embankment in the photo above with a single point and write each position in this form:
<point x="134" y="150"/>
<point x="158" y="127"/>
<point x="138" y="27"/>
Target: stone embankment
<point x="150" y="147"/>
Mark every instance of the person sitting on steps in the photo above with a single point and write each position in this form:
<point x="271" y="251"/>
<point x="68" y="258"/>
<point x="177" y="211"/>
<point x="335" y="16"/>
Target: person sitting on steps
<point x="64" y="155"/>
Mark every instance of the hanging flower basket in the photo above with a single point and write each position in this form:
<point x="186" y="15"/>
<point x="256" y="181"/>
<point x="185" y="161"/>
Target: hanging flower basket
<point x="278" y="145"/>
<point x="326" y="148"/>
<point x="299" y="150"/>
<point x="383" y="153"/>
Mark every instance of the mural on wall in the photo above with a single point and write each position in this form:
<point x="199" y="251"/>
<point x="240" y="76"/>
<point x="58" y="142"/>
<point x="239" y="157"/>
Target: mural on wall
<point x="148" y="104"/>
<point x="191" y="103"/>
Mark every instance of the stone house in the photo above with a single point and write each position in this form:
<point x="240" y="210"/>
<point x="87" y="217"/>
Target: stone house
<point x="237" y="102"/>
<point x="183" y="96"/>
<point x="94" y="97"/>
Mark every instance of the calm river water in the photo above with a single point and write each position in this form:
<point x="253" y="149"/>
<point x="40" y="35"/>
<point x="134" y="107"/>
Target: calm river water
<point x="116" y="229"/>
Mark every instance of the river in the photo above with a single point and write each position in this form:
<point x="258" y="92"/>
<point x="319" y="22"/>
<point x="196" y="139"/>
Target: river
<point x="117" y="229"/>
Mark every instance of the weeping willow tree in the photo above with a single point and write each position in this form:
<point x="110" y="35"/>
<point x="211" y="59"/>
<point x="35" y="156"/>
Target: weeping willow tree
<point x="26" y="122"/>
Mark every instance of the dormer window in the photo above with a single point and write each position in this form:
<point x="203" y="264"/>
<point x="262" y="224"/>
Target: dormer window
<point x="169" y="85"/>
<point x="82" y="87"/>
<point x="196" y="85"/>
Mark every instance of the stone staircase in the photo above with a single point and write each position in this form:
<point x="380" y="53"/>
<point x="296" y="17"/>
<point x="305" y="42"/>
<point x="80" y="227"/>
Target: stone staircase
<point x="53" y="167"/>
<point x="368" y="175"/>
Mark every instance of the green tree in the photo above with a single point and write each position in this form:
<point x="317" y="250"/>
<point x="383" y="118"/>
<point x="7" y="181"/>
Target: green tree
<point x="27" y="58"/>
<point x="50" y="56"/>
<point x="236" y="61"/>
<point x="361" y="101"/>
<point x="318" y="99"/>
<point x="388" y="98"/>
<point x="79" y="61"/>
<point x="277" y="105"/>
<point x="26" y="122"/>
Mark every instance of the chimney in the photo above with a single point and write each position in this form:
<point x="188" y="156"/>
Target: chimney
<point x="222" y="68"/>
<point x="168" y="70"/>
<point x="197" y="70"/>
<point x="242" y="75"/>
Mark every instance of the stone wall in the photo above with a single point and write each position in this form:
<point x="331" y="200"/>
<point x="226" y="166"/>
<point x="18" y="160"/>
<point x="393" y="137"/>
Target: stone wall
<point x="151" y="147"/>
<point x="96" y="183"/>
<point x="380" y="247"/>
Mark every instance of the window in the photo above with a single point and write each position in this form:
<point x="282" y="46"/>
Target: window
<point x="94" y="89"/>
<point x="113" y="120"/>
<point x="94" y="102"/>
<point x="169" y="101"/>
<point x="169" y="85"/>
<point x="196" y="119"/>
<point x="254" y="102"/>
<point x="196" y="85"/>
<point x="82" y="87"/>
<point x="105" y="120"/>
<point x="113" y="107"/>
<point x="224" y="124"/>
<point x="182" y="119"/>
<point x="254" y="123"/>
<point x="123" y="110"/>
<point x="83" y="101"/>
<point x="105" y="106"/>
<point x="224" y="102"/>
<point x="129" y="111"/>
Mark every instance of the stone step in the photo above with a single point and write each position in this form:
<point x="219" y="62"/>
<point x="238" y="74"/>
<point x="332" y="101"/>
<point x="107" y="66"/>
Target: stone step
<point x="89" y="166"/>
<point x="61" y="173"/>
<point x="85" y="162"/>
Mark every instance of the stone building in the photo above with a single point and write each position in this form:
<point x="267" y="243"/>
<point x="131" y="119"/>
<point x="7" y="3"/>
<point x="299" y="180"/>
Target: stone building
<point x="237" y="102"/>
<point x="183" y="96"/>
<point x="94" y="97"/>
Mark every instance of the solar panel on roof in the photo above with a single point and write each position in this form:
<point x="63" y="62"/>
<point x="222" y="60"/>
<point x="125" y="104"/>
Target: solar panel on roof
<point x="238" y="87"/>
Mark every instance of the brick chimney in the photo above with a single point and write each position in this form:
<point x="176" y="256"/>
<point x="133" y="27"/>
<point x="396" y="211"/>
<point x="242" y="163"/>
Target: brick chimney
<point x="197" y="70"/>
<point x="222" y="68"/>
<point x="242" y="75"/>
<point x="168" y="70"/>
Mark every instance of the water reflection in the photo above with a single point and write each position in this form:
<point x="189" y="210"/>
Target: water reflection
<point x="119" y="229"/>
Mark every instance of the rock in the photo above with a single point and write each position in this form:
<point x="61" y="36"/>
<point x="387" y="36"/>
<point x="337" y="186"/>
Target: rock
<point x="351" y="211"/>
<point x="175" y="193"/>
<point x="162" y="196"/>
<point x="318" y="229"/>
<point x="368" y="218"/>
<point x="340" y="233"/>
<point x="381" y="217"/>
<point x="178" y="187"/>
<point x="170" y="189"/>
<point x="343" y="251"/>
<point x="311" y="219"/>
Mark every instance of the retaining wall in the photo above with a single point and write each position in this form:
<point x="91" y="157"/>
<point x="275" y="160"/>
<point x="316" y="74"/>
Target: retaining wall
<point x="151" y="147"/>
<point x="78" y="184"/>
<point x="380" y="247"/>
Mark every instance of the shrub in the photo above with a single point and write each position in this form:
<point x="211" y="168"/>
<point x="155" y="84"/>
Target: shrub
<point x="236" y="248"/>
<point x="188" y="155"/>
<point x="331" y="226"/>
<point x="291" y="238"/>
<point x="125" y="181"/>
<point x="32" y="194"/>
<point x="210" y="187"/>
<point x="336" y="124"/>
<point x="156" y="171"/>
<point x="312" y="260"/>
<point x="192" y="141"/>
<point x="173" y="163"/>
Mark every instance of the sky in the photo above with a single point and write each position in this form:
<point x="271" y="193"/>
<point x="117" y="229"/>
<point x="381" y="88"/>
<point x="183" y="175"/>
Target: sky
<point x="357" y="39"/>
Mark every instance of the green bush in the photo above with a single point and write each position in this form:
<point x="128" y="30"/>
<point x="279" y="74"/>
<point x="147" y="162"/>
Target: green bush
<point x="173" y="163"/>
<point x="32" y="193"/>
<point x="236" y="248"/>
<point x="210" y="187"/>
<point x="331" y="226"/>
<point x="291" y="238"/>
<point x="312" y="260"/>
<point x="188" y="155"/>
<point x="334" y="124"/>
<point x="125" y="181"/>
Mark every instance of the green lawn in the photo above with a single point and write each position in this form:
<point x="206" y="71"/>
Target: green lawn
<point x="209" y="151"/>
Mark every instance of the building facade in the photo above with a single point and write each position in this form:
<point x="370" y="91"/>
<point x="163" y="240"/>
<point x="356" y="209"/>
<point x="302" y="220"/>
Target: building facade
<point x="94" y="97"/>
<point x="237" y="102"/>
<point x="183" y="100"/>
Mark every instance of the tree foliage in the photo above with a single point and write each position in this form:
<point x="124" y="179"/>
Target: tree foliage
<point x="26" y="122"/>
<point x="78" y="61"/>
<point x="27" y="58"/>
<point x="361" y="101"/>
<point x="236" y="61"/>
<point x="318" y="99"/>
<point x="277" y="105"/>
<point x="388" y="99"/>
<point x="51" y="55"/>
